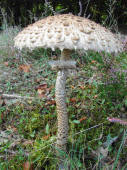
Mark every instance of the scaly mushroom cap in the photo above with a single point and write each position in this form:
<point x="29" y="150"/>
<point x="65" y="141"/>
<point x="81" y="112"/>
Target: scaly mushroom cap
<point x="68" y="32"/>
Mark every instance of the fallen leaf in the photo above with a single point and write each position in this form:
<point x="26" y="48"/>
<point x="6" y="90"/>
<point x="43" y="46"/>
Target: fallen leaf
<point x="29" y="101"/>
<point x="6" y="64"/>
<point x="46" y="137"/>
<point x="42" y="90"/>
<point x="83" y="118"/>
<point x="14" y="128"/>
<point x="41" y="96"/>
<point x="54" y="57"/>
<point x="72" y="87"/>
<point x="51" y="102"/>
<point x="82" y="87"/>
<point x="93" y="61"/>
<point x="95" y="96"/>
<point x="27" y="166"/>
<point x="51" y="87"/>
<point x="73" y="100"/>
<point x="2" y="116"/>
<point x="89" y="86"/>
<point x="25" y="68"/>
<point x="38" y="80"/>
<point x="41" y="87"/>
<point x="28" y="142"/>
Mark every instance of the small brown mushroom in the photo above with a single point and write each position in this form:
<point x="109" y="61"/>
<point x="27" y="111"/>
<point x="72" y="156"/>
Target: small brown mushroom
<point x="83" y="36"/>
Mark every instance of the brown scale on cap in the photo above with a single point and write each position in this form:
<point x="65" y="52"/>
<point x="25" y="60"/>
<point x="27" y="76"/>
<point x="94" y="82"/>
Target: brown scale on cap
<point x="68" y="32"/>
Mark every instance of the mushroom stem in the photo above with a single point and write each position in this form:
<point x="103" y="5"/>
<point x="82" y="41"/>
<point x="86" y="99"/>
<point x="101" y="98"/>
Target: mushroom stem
<point x="60" y="94"/>
<point x="62" y="115"/>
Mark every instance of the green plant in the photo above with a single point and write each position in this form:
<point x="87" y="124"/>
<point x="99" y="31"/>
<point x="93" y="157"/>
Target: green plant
<point x="43" y="154"/>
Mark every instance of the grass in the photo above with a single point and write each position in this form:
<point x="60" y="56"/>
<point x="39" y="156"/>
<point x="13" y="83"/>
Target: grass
<point x="29" y="126"/>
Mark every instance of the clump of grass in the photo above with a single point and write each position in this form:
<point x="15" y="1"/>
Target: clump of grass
<point x="7" y="49"/>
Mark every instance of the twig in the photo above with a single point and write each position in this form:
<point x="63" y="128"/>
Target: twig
<point x="13" y="96"/>
<point x="46" y="1"/>
<point x="14" y="153"/>
<point x="88" y="129"/>
<point x="86" y="9"/>
<point x="117" y="120"/>
<point x="60" y="11"/>
<point x="80" y="6"/>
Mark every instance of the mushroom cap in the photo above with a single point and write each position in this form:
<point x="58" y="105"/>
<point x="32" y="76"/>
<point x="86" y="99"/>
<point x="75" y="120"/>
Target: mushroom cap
<point x="67" y="31"/>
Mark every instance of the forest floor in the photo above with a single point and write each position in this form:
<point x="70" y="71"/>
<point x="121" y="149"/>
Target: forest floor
<point x="28" y="119"/>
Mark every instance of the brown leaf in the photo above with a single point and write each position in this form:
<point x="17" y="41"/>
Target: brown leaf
<point x="72" y="87"/>
<point x="28" y="142"/>
<point x="89" y="86"/>
<point x="95" y="96"/>
<point x="41" y="96"/>
<point x="46" y="137"/>
<point x="6" y="64"/>
<point x="41" y="86"/>
<point x="42" y="89"/>
<point x="38" y="80"/>
<point x="82" y="87"/>
<point x="73" y="100"/>
<point x="54" y="57"/>
<point x="93" y="61"/>
<point x="14" y="128"/>
<point x="50" y="88"/>
<point x="51" y="102"/>
<point x="83" y="118"/>
<point x="25" y="68"/>
<point x="2" y="116"/>
<point x="27" y="166"/>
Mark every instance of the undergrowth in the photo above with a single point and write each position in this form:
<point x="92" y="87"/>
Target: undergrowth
<point x="29" y="126"/>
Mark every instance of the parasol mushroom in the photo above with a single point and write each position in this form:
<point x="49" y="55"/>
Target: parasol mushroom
<point x="66" y="32"/>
